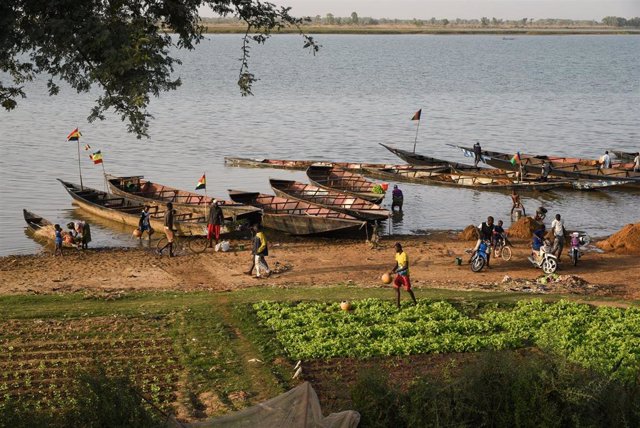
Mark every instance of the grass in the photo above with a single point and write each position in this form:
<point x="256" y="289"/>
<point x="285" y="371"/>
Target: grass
<point x="209" y="342"/>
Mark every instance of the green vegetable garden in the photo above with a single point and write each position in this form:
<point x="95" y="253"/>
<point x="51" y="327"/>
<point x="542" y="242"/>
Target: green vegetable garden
<point x="601" y="338"/>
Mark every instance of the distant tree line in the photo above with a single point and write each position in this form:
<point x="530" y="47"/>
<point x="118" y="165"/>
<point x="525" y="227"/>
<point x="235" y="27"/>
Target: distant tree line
<point x="355" y="19"/>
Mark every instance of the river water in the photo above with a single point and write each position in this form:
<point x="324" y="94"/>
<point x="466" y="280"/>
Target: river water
<point x="564" y="95"/>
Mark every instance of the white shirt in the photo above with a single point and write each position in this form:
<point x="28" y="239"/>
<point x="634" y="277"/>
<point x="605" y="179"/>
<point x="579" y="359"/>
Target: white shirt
<point x="557" y="226"/>
<point x="637" y="161"/>
<point x="606" y="161"/>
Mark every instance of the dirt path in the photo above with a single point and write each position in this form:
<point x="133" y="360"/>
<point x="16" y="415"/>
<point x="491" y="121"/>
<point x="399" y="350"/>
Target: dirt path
<point x="316" y="262"/>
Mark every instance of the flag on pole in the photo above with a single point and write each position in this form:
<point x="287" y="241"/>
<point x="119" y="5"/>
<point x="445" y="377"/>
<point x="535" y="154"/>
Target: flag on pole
<point x="96" y="157"/>
<point x="515" y="159"/>
<point x="202" y="183"/>
<point x="416" y="115"/>
<point x="74" y="135"/>
<point x="87" y="147"/>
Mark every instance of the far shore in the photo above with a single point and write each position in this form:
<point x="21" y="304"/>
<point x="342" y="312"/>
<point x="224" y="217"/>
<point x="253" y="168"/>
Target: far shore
<point x="436" y="30"/>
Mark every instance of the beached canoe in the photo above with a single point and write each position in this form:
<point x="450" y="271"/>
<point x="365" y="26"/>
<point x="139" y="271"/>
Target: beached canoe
<point x="332" y="199"/>
<point x="300" y="165"/>
<point x="146" y="192"/>
<point x="127" y="211"/>
<point x="422" y="160"/>
<point x="297" y="217"/>
<point x="335" y="178"/>
<point x="475" y="181"/>
<point x="41" y="229"/>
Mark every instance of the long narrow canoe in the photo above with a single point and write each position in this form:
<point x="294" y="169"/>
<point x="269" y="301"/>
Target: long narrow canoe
<point x="576" y="184"/>
<point x="474" y="181"/>
<point x="335" y="178"/>
<point x="414" y="174"/>
<point x="422" y="160"/>
<point x="40" y="228"/>
<point x="300" y="165"/>
<point x="138" y="189"/>
<point x="337" y="201"/>
<point x="533" y="165"/>
<point x="127" y="211"/>
<point x="628" y="156"/>
<point x="297" y="217"/>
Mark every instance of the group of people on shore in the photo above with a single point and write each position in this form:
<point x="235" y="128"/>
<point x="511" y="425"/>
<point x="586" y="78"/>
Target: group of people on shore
<point x="78" y="234"/>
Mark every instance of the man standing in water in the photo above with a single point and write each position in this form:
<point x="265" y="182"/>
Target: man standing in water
<point x="168" y="228"/>
<point x="515" y="199"/>
<point x="401" y="269"/>
<point x="397" y="198"/>
<point x="477" y="154"/>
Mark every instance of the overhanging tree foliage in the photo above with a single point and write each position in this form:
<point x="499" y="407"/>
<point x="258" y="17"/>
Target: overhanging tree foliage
<point x="122" y="46"/>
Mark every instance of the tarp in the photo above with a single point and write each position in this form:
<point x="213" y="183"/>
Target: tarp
<point x="297" y="408"/>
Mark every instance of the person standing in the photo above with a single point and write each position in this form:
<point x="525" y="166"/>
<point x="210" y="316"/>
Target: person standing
<point x="58" y="239"/>
<point x="401" y="269"/>
<point x="485" y="232"/>
<point x="215" y="222"/>
<point x="169" y="215"/>
<point x="606" y="160"/>
<point x="397" y="198"/>
<point x="515" y="200"/>
<point x="557" y="227"/>
<point x="546" y="170"/>
<point x="636" y="163"/>
<point x="145" y="222"/>
<point x="261" y="250"/>
<point x="477" y="154"/>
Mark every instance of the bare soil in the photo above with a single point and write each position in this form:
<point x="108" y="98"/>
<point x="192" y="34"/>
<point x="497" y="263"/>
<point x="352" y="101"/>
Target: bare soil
<point x="313" y="262"/>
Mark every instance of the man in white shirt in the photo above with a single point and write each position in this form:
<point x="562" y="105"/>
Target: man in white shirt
<point x="557" y="227"/>
<point x="606" y="160"/>
<point x="636" y="161"/>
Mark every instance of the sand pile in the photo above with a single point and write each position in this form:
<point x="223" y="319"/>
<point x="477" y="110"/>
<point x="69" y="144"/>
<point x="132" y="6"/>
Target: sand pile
<point x="523" y="228"/>
<point x="470" y="233"/>
<point x="625" y="241"/>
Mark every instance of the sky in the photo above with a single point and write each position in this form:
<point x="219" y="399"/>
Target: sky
<point x="465" y="9"/>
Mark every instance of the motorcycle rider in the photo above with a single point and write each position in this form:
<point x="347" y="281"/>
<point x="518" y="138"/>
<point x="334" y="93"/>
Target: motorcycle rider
<point x="536" y="244"/>
<point x="485" y="230"/>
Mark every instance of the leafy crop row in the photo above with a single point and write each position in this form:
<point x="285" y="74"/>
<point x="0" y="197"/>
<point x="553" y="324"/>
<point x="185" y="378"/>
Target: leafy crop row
<point x="603" y="338"/>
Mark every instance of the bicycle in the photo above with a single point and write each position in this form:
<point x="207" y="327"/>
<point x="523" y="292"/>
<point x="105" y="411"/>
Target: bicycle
<point x="196" y="244"/>
<point x="502" y="249"/>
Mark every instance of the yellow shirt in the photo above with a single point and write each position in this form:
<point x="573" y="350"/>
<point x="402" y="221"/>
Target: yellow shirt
<point x="403" y="263"/>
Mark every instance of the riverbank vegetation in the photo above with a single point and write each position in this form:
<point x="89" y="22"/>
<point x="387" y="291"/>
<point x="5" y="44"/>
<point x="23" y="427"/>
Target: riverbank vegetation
<point x="355" y="24"/>
<point x="202" y="354"/>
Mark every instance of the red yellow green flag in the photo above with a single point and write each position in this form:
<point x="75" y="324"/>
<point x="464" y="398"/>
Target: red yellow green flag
<point x="515" y="159"/>
<point x="96" y="157"/>
<point x="202" y="183"/>
<point x="74" y="135"/>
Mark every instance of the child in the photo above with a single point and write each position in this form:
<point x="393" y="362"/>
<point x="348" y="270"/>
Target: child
<point x="401" y="269"/>
<point x="58" y="231"/>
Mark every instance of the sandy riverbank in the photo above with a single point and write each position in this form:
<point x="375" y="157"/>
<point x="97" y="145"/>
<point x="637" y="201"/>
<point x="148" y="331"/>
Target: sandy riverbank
<point x="316" y="262"/>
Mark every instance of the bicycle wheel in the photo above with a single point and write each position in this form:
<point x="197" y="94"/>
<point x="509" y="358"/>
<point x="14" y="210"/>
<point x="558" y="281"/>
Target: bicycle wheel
<point x="198" y="244"/>
<point x="161" y="243"/>
<point x="506" y="254"/>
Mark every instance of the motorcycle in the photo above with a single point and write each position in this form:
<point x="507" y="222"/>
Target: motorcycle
<point x="546" y="260"/>
<point x="481" y="256"/>
<point x="574" y="251"/>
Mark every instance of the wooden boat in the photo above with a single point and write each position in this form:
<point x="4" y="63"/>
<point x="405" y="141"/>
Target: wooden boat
<point x="138" y="189"/>
<point x="475" y="181"/>
<point x="337" y="201"/>
<point x="124" y="210"/>
<point x="300" y="165"/>
<point x="422" y="160"/>
<point x="297" y="217"/>
<point x="558" y="161"/>
<point x="40" y="228"/>
<point x="628" y="156"/>
<point x="414" y="174"/>
<point x="335" y="178"/>
<point x="533" y="165"/>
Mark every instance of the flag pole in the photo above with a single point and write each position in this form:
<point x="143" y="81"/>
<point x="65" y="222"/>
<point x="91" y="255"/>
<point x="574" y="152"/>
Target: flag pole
<point x="204" y="174"/>
<point x="416" y="140"/>
<point x="104" y="175"/>
<point x="79" y="167"/>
